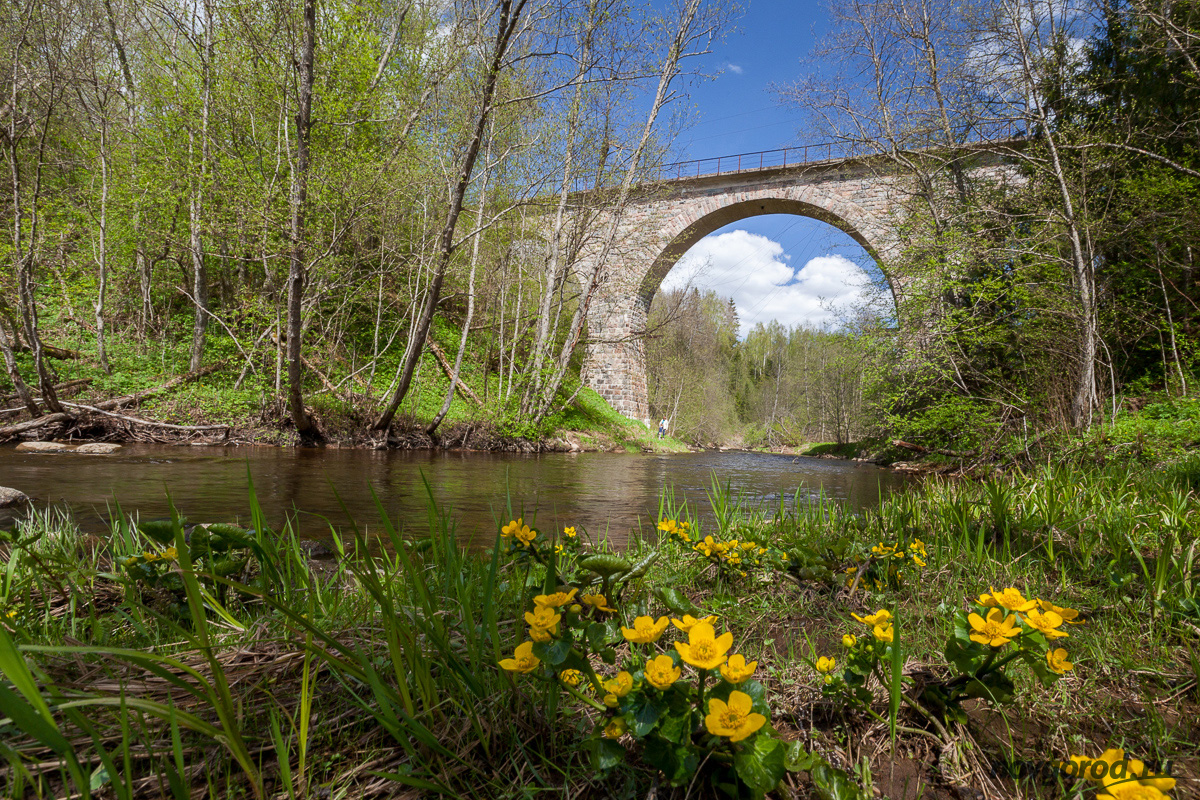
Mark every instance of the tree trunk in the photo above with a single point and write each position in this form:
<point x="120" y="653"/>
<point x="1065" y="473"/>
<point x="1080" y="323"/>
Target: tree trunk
<point x="298" y="272"/>
<point x="510" y="14"/>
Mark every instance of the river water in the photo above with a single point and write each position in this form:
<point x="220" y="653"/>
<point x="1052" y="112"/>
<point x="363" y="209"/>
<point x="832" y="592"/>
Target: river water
<point x="602" y="493"/>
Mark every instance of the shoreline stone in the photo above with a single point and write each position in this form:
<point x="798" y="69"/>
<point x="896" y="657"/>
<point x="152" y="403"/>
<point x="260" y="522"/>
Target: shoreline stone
<point x="11" y="497"/>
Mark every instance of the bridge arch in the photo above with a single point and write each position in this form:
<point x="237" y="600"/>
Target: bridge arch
<point x="695" y="226"/>
<point x="662" y="223"/>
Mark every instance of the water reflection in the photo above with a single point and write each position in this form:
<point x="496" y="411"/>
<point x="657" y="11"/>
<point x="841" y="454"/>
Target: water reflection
<point x="603" y="492"/>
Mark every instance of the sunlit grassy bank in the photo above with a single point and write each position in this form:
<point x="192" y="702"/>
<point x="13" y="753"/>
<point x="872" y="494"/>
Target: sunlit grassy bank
<point x="215" y="662"/>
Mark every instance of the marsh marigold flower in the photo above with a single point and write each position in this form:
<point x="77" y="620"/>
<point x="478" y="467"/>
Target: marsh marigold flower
<point x="645" y="630"/>
<point x="616" y="728"/>
<point x="620" y="685"/>
<point x="598" y="602"/>
<point x="880" y="617"/>
<point x="661" y="672"/>
<point x="884" y="633"/>
<point x="523" y="659"/>
<point x="1122" y="778"/>
<point x="1009" y="598"/>
<point x="996" y="631"/>
<point x="512" y="527"/>
<point x="1069" y="615"/>
<point x="556" y="600"/>
<point x="737" y="669"/>
<point x="689" y="621"/>
<point x="542" y="617"/>
<point x="571" y="677"/>
<point x="1046" y="622"/>
<point x="570" y="533"/>
<point x="541" y="634"/>
<point x="849" y="641"/>
<point x="734" y="720"/>
<point x="704" y="649"/>
<point x="826" y="664"/>
<point x="1057" y="659"/>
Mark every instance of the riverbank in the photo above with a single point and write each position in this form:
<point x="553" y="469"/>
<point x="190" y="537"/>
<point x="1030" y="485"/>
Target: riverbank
<point x="232" y="655"/>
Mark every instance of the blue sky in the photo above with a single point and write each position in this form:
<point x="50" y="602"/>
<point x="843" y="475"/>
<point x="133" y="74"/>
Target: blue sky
<point x="793" y="269"/>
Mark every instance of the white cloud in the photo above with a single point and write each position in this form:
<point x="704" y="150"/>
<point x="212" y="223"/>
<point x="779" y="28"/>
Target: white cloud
<point x="755" y="272"/>
<point x="734" y="68"/>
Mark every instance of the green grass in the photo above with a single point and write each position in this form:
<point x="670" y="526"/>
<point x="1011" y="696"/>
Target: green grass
<point x="376" y="673"/>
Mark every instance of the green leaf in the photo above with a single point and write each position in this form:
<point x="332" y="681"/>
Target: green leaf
<point x="760" y="764"/>
<point x="677" y="762"/>
<point x="676" y="601"/>
<point x="606" y="753"/>
<point x="553" y="653"/>
<point x="834" y="784"/>
<point x="605" y="565"/>
<point x="645" y="717"/>
<point x="160" y="530"/>
<point x="797" y="759"/>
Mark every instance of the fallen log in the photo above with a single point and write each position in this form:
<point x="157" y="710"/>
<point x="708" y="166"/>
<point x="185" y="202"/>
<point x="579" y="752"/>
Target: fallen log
<point x="463" y="389"/>
<point x="941" y="451"/>
<point x="147" y="422"/>
<point x="117" y="402"/>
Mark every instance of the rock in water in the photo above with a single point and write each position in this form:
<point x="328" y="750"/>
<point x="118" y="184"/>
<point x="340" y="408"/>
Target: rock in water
<point x="11" y="497"/>
<point x="44" y="447"/>
<point x="98" y="448"/>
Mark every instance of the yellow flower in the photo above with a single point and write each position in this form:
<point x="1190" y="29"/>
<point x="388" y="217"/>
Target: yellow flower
<point x="149" y="556"/>
<point x="570" y="533"/>
<point x="689" y="621"/>
<point x="541" y="634"/>
<point x="662" y="673"/>
<point x="556" y="600"/>
<point x="737" y="669"/>
<point x="523" y="659"/>
<point x="620" y="685"/>
<point x="1132" y="790"/>
<point x="526" y="535"/>
<point x="611" y="700"/>
<point x="849" y="641"/>
<point x="170" y="554"/>
<point x="880" y="617"/>
<point x="666" y="525"/>
<point x="1069" y="615"/>
<point x="1009" y="598"/>
<point x="734" y="719"/>
<point x="1122" y="778"/>
<point x="704" y="649"/>
<point x="1057" y="659"/>
<point x="825" y="664"/>
<point x="645" y="630"/>
<point x="512" y="527"/>
<point x="616" y="728"/>
<point x="996" y="631"/>
<point x="542" y="617"/>
<point x="1046" y="622"/>
<point x="884" y="633"/>
<point x="917" y="560"/>
<point x="599" y="602"/>
<point x="571" y="677"/>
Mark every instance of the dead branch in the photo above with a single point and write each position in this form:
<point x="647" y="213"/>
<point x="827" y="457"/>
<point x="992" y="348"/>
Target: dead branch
<point x="147" y="422"/>
<point x="117" y="402"/>
<point x="449" y="370"/>
<point x="916" y="448"/>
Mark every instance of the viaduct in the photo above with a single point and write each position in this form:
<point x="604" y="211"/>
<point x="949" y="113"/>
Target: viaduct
<point x="861" y="196"/>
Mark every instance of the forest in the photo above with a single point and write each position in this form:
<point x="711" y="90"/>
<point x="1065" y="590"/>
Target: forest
<point x="338" y="217"/>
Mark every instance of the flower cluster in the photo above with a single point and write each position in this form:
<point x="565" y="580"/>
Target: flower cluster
<point x="883" y="568"/>
<point x="683" y="698"/>
<point x="732" y="557"/>
<point x="864" y="656"/>
<point x="1120" y="778"/>
<point x="1033" y="624"/>
<point x="679" y="529"/>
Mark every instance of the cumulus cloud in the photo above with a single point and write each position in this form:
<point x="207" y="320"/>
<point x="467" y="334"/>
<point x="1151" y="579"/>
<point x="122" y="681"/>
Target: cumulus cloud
<point x="734" y="68"/>
<point x="756" y="273"/>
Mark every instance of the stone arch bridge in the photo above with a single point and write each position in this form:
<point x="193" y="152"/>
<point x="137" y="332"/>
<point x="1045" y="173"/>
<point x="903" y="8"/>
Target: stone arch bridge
<point x="862" y="196"/>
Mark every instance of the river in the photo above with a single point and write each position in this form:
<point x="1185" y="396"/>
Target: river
<point x="602" y="493"/>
